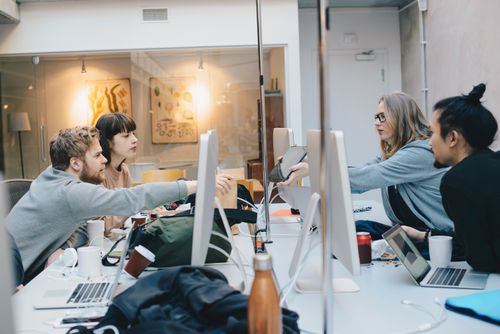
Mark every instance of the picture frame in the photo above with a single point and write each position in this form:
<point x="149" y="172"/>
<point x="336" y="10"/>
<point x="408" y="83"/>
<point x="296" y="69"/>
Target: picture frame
<point x="108" y="96"/>
<point x="173" y="110"/>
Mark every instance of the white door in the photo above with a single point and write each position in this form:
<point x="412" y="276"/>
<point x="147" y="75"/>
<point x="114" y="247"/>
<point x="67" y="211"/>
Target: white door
<point x="354" y="89"/>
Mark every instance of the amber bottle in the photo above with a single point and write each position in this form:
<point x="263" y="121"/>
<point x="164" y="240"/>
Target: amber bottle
<point x="264" y="312"/>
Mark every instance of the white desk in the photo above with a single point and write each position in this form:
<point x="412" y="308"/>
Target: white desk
<point x="377" y="307"/>
<point x="30" y="321"/>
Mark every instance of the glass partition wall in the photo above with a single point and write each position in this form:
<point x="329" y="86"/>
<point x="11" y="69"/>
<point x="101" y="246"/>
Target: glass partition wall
<point x="173" y="96"/>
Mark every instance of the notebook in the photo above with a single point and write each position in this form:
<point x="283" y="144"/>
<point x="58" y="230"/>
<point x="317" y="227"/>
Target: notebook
<point x="82" y="294"/>
<point x="483" y="305"/>
<point x="423" y="274"/>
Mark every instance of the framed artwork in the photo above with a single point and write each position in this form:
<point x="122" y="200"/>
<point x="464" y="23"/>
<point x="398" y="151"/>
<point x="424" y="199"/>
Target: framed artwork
<point x="107" y="96"/>
<point x="173" y="110"/>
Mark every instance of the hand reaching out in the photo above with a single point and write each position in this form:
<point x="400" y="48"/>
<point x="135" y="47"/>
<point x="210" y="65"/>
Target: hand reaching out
<point x="299" y="171"/>
<point x="223" y="183"/>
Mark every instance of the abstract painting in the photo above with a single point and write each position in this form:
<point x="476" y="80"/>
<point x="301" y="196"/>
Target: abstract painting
<point x="173" y="110"/>
<point x="105" y="96"/>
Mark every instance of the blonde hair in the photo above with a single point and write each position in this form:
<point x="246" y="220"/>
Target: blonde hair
<point x="406" y="119"/>
<point x="71" y="143"/>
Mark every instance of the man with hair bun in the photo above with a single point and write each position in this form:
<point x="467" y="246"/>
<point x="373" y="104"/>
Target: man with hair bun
<point x="463" y="129"/>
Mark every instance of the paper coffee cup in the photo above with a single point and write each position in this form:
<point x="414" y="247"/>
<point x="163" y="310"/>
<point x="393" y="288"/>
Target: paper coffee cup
<point x="89" y="261"/>
<point x="440" y="248"/>
<point x="140" y="259"/>
<point x="95" y="230"/>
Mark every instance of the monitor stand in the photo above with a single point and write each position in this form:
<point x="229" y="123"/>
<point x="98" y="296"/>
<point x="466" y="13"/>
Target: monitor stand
<point x="309" y="265"/>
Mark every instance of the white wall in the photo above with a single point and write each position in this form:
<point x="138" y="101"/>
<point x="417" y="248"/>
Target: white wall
<point x="463" y="50"/>
<point x="376" y="29"/>
<point x="110" y="25"/>
<point x="354" y="87"/>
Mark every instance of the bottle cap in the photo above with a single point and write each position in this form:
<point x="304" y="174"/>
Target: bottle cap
<point x="262" y="262"/>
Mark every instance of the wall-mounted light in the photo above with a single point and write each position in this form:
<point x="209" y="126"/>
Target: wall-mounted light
<point x="84" y="69"/>
<point x="200" y="64"/>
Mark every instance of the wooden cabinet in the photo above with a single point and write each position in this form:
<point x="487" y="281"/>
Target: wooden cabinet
<point x="274" y="119"/>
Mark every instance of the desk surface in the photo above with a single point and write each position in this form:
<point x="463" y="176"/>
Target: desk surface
<point x="376" y="308"/>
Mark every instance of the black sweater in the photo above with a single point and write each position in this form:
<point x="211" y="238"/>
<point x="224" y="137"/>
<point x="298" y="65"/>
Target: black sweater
<point x="471" y="198"/>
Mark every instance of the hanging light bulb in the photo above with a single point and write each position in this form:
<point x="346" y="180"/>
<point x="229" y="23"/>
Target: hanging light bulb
<point x="200" y="64"/>
<point x="84" y="69"/>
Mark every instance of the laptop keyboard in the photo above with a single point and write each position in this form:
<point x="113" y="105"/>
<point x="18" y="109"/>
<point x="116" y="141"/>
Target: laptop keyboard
<point x="447" y="276"/>
<point x="89" y="293"/>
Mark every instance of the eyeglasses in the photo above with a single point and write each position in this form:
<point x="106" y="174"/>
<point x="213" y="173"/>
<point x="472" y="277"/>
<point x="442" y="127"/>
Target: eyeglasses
<point x="380" y="117"/>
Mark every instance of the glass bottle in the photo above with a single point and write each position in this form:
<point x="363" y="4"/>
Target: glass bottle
<point x="264" y="312"/>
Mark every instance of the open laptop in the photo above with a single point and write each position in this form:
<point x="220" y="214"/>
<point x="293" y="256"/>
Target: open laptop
<point x="82" y="294"/>
<point x="423" y="274"/>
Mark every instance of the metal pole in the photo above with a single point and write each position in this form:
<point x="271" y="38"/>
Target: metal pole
<point x="326" y="226"/>
<point x="21" y="152"/>
<point x="262" y="112"/>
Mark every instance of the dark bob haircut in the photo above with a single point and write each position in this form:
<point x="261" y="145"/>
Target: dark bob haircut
<point x="110" y="125"/>
<point x="467" y="115"/>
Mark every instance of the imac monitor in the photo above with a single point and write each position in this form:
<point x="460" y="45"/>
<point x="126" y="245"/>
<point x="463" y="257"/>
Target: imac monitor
<point x="343" y="238"/>
<point x="205" y="194"/>
<point x="6" y="274"/>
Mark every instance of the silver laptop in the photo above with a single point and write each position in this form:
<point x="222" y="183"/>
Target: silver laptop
<point x="423" y="274"/>
<point x="83" y="294"/>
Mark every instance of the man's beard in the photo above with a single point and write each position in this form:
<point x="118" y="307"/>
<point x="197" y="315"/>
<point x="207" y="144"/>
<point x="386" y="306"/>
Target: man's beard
<point x="86" y="177"/>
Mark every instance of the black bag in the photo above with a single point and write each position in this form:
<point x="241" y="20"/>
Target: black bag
<point x="181" y="300"/>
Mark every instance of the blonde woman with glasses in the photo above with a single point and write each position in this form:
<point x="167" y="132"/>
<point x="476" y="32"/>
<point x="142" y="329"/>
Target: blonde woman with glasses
<point x="404" y="171"/>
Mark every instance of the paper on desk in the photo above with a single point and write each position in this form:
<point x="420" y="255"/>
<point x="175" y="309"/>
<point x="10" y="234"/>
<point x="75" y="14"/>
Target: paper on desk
<point x="283" y="212"/>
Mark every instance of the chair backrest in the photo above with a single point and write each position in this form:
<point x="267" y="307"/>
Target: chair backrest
<point x="237" y="173"/>
<point x="248" y="184"/>
<point x="163" y="175"/>
<point x="16" y="188"/>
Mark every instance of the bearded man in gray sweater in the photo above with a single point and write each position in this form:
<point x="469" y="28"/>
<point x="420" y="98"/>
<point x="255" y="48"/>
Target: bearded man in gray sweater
<point x="68" y="193"/>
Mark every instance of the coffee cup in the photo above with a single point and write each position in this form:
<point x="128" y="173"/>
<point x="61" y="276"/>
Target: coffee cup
<point x="140" y="259"/>
<point x="138" y="220"/>
<point x="95" y="230"/>
<point x="440" y="248"/>
<point x="89" y="261"/>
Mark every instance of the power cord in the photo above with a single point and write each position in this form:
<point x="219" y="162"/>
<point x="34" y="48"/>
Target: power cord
<point x="427" y="326"/>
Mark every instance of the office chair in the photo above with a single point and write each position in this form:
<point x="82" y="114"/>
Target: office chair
<point x="16" y="188"/>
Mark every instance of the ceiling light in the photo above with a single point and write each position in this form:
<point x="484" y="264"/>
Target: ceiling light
<point x="200" y="63"/>
<point x="84" y="69"/>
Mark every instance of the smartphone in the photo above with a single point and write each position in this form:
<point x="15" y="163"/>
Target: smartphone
<point x="80" y="320"/>
<point x="292" y="156"/>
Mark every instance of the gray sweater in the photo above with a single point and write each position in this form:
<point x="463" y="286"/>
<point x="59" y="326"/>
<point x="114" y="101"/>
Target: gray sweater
<point x="412" y="170"/>
<point x="58" y="203"/>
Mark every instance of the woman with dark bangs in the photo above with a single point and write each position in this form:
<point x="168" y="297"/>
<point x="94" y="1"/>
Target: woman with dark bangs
<point x="119" y="143"/>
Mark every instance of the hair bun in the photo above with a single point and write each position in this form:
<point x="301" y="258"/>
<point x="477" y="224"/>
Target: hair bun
<point x="476" y="93"/>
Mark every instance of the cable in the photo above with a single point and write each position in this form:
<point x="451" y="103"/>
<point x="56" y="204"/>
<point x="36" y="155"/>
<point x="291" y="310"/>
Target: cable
<point x="289" y="285"/>
<point x="227" y="227"/>
<point x="427" y="326"/>
<point x="252" y="205"/>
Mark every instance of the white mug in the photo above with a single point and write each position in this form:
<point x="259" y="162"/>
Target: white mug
<point x="95" y="230"/>
<point x="89" y="261"/>
<point x="440" y="247"/>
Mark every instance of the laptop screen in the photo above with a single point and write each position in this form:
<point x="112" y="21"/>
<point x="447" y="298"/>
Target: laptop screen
<point x="407" y="253"/>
